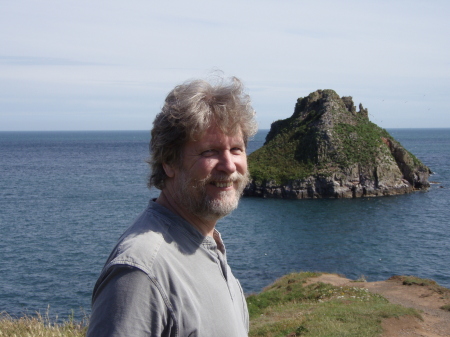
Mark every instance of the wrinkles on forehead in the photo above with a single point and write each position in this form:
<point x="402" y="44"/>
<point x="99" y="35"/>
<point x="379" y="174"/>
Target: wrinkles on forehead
<point x="230" y="129"/>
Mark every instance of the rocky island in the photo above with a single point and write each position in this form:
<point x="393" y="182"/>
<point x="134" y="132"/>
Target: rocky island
<point x="328" y="149"/>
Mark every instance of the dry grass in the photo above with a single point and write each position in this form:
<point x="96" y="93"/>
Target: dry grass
<point x="39" y="326"/>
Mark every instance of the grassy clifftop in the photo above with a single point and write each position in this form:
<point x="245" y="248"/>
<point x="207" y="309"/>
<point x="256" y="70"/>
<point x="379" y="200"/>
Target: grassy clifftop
<point x="311" y="305"/>
<point x="292" y="307"/>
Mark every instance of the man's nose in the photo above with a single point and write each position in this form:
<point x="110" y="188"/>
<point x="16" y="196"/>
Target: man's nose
<point x="226" y="163"/>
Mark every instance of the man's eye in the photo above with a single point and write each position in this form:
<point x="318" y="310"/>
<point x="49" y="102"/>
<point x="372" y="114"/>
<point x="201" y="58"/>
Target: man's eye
<point x="208" y="153"/>
<point x="237" y="150"/>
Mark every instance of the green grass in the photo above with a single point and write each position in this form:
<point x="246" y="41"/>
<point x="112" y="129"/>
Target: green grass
<point x="290" y="308"/>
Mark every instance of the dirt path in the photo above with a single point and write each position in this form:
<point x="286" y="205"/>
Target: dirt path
<point x="435" y="323"/>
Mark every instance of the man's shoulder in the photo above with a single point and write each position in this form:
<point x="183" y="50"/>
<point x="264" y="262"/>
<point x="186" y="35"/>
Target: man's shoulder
<point x="139" y="245"/>
<point x="155" y="230"/>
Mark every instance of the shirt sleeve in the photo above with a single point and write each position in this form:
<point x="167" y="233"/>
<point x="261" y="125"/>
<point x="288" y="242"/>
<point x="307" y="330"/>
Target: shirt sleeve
<point x="127" y="303"/>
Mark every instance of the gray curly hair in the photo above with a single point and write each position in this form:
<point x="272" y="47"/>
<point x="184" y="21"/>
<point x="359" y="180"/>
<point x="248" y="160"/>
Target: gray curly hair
<point x="189" y="110"/>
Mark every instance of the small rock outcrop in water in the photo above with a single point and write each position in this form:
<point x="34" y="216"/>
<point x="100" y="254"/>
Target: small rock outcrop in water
<point x="328" y="149"/>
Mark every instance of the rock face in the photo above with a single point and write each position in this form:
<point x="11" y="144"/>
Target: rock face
<point x="327" y="149"/>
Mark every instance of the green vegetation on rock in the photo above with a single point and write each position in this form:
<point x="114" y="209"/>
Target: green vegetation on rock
<point x="360" y="143"/>
<point x="328" y="149"/>
<point x="277" y="161"/>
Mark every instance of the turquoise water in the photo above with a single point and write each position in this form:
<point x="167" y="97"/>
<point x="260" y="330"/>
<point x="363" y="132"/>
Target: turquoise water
<point x="65" y="198"/>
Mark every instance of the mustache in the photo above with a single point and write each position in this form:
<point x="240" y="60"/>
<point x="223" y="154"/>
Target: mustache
<point x="234" y="177"/>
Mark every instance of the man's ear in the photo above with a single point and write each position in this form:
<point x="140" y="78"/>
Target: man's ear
<point x="169" y="170"/>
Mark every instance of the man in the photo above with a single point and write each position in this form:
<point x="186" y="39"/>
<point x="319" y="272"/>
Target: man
<point x="168" y="275"/>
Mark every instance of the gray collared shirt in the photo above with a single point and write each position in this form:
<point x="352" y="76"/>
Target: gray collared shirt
<point x="164" y="278"/>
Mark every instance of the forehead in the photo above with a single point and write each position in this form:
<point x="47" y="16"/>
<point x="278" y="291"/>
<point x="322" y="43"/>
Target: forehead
<point x="214" y="136"/>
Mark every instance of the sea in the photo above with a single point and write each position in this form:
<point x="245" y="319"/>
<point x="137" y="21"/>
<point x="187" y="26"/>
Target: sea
<point x="66" y="197"/>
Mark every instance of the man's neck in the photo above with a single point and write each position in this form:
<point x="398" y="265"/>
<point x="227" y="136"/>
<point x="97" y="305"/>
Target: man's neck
<point x="204" y="226"/>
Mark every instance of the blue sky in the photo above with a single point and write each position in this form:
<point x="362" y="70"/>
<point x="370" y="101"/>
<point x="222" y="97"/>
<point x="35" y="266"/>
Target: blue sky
<point x="108" y="65"/>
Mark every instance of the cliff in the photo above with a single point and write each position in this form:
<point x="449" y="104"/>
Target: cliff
<point x="328" y="149"/>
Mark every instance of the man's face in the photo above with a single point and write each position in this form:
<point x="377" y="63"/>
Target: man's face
<point x="213" y="174"/>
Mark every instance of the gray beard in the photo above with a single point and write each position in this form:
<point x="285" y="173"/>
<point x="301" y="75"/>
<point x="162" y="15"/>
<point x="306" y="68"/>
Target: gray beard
<point x="192" y="196"/>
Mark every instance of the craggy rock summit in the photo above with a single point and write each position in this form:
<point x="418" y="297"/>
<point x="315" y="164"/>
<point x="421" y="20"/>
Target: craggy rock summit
<point x="327" y="149"/>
